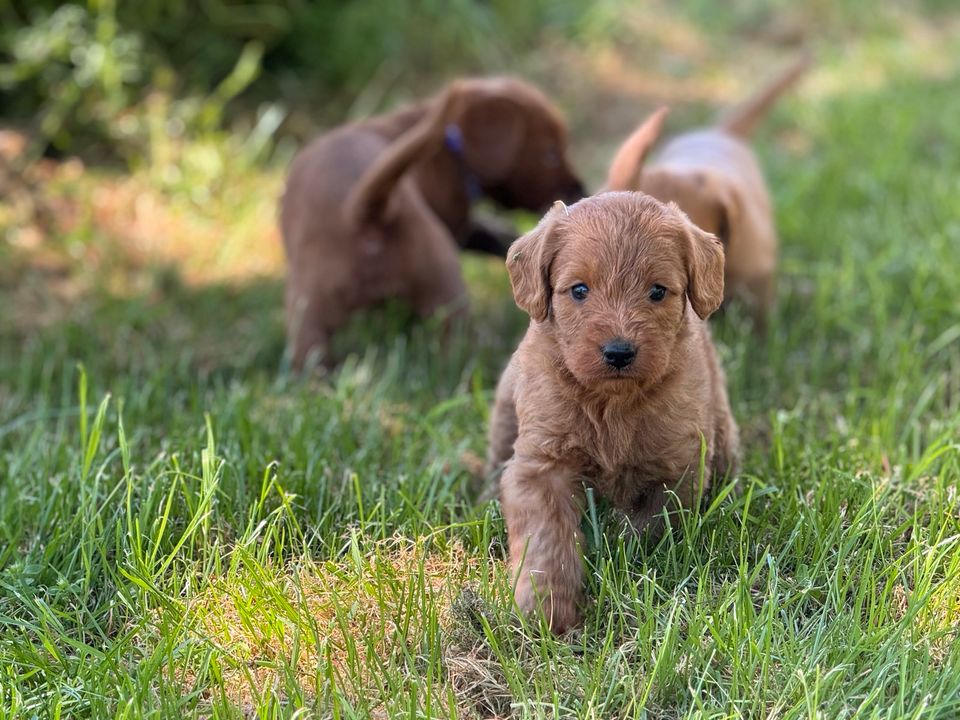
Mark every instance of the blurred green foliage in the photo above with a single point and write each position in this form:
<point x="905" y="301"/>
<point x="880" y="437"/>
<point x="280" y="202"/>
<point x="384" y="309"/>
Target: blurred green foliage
<point x="86" y="77"/>
<point x="75" y="69"/>
<point x="89" y="77"/>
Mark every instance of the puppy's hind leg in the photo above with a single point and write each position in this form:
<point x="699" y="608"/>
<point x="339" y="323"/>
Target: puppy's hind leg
<point x="726" y="453"/>
<point x="502" y="434"/>
<point x="760" y="294"/>
<point x="542" y="504"/>
<point x="503" y="431"/>
<point x="645" y="511"/>
<point x="436" y="283"/>
<point x="312" y="317"/>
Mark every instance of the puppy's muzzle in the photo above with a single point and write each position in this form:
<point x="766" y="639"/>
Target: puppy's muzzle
<point x="618" y="353"/>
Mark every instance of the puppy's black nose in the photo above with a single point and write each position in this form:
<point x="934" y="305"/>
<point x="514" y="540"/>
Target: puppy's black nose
<point x="618" y="353"/>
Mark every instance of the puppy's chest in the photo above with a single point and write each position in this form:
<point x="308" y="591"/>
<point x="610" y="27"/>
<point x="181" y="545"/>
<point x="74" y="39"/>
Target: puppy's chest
<point x="619" y="456"/>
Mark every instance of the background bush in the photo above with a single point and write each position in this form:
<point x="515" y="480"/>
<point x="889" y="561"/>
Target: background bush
<point x="80" y="76"/>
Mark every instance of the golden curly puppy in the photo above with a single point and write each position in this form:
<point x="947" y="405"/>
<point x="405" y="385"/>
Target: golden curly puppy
<point x="615" y="384"/>
<point x="714" y="176"/>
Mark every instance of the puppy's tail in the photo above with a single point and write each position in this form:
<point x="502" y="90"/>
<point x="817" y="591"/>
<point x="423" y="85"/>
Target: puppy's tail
<point x="627" y="164"/>
<point x="369" y="197"/>
<point x="743" y="119"/>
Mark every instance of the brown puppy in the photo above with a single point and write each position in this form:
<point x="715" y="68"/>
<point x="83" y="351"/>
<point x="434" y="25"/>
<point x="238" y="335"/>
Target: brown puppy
<point x="377" y="209"/>
<point x="615" y="384"/>
<point x="714" y="177"/>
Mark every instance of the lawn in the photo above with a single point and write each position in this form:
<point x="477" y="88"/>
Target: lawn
<point x="187" y="530"/>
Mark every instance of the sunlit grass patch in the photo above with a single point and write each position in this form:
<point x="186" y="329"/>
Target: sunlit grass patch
<point x="333" y="627"/>
<point x="939" y="620"/>
<point x="114" y="225"/>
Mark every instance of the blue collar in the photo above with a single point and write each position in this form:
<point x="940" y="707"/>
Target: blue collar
<point x="453" y="141"/>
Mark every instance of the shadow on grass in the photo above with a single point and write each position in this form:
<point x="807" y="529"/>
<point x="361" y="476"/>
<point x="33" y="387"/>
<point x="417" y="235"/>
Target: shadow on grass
<point x="200" y="330"/>
<point x="160" y="325"/>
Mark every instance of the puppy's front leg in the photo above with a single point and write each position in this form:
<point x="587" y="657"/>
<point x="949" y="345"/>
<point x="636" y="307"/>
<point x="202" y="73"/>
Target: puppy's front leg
<point x="542" y="504"/>
<point x="489" y="235"/>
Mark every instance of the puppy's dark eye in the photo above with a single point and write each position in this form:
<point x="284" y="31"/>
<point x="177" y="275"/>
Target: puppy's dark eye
<point x="657" y="293"/>
<point x="579" y="292"/>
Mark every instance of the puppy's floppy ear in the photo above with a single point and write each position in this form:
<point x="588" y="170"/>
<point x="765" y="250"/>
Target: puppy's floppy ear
<point x="493" y="129"/>
<point x="627" y="164"/>
<point x="705" y="261"/>
<point x="528" y="262"/>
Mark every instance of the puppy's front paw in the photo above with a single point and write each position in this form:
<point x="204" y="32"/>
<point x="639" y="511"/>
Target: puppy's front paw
<point x="558" y="608"/>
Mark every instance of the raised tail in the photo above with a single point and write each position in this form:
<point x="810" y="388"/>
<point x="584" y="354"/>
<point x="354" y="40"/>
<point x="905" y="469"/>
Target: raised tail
<point x="627" y="163"/>
<point x="743" y="119"/>
<point x="371" y="193"/>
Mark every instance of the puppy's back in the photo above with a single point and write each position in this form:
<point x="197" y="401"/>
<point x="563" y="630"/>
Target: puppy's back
<point x="320" y="178"/>
<point x="711" y="149"/>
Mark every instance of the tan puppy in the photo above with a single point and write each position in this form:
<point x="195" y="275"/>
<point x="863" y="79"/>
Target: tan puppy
<point x="615" y="384"/>
<point x="377" y="209"/>
<point x="714" y="177"/>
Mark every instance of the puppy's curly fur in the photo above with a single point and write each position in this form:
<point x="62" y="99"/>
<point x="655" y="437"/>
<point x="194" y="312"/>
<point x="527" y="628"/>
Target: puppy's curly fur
<point x="568" y="413"/>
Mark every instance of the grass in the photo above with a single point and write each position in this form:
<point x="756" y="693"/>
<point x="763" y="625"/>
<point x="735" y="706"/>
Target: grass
<point x="186" y="530"/>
